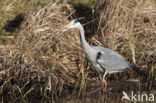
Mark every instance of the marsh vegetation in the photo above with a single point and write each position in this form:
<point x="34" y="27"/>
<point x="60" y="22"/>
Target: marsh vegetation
<point x="39" y="63"/>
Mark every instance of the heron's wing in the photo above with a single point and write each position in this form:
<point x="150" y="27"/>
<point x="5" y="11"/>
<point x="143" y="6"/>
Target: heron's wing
<point x="110" y="60"/>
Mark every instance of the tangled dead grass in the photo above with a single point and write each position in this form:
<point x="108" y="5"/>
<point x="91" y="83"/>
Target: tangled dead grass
<point x="10" y="9"/>
<point x="45" y="61"/>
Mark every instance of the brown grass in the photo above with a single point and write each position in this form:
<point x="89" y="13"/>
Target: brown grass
<point x="44" y="61"/>
<point x="129" y="28"/>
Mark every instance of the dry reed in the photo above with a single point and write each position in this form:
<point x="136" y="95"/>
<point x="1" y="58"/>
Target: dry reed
<point x="129" y="28"/>
<point x="46" y="61"/>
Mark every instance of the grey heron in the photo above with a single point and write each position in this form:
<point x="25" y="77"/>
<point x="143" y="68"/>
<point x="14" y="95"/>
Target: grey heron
<point x="103" y="59"/>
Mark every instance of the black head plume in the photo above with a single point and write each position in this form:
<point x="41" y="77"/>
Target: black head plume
<point x="75" y="21"/>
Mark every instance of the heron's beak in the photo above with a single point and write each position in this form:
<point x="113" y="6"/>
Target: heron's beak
<point x="64" y="28"/>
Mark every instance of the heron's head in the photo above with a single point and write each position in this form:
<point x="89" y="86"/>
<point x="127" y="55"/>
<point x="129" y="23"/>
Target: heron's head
<point x="73" y="24"/>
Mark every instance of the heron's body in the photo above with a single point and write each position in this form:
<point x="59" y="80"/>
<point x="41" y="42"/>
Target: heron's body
<point x="103" y="59"/>
<point x="109" y="61"/>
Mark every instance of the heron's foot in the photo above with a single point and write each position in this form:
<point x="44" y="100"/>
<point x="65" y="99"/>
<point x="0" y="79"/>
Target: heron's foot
<point x="103" y="88"/>
<point x="104" y="85"/>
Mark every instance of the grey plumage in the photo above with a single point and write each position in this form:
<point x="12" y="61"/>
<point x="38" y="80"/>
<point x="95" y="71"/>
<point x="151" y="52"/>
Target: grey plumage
<point x="103" y="59"/>
<point x="110" y="60"/>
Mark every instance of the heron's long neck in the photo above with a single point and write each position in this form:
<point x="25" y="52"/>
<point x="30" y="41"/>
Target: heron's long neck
<point x="86" y="47"/>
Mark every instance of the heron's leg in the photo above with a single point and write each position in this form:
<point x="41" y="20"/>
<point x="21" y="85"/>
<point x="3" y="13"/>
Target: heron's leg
<point x="104" y="85"/>
<point x="100" y="88"/>
<point x="104" y="82"/>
